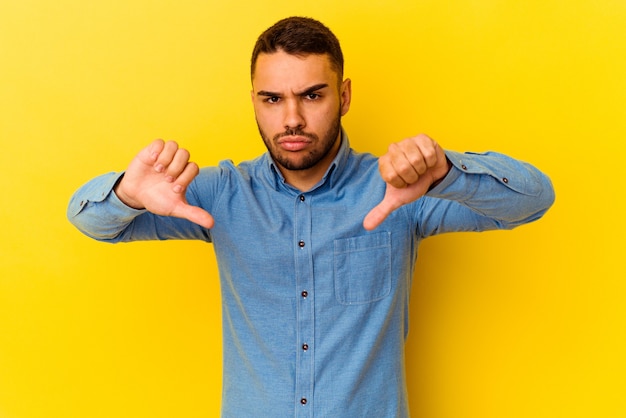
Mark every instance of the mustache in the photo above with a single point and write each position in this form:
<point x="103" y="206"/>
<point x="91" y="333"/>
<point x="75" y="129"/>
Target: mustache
<point x="295" y="132"/>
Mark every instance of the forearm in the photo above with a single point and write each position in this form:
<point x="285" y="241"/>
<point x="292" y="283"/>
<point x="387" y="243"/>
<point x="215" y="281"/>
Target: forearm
<point x="493" y="185"/>
<point x="97" y="212"/>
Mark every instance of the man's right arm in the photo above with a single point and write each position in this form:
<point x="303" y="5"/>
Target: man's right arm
<point x="154" y="184"/>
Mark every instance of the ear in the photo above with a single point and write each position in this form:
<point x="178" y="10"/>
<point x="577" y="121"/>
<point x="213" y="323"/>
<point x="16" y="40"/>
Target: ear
<point x="346" y="95"/>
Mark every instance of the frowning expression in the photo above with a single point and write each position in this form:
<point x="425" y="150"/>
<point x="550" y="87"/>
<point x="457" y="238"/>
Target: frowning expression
<point x="298" y="103"/>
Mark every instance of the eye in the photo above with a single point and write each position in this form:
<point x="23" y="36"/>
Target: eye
<point x="312" y="96"/>
<point x="272" y="99"/>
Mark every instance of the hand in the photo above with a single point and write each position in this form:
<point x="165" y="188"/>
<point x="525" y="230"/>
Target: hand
<point x="410" y="168"/>
<point x="156" y="180"/>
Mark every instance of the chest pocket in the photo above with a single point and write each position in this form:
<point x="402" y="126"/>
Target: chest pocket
<point x="362" y="268"/>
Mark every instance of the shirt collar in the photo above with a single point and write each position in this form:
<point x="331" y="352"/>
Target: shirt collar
<point x="331" y="176"/>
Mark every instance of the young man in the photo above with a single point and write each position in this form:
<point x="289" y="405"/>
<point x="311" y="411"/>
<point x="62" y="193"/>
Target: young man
<point x="315" y="243"/>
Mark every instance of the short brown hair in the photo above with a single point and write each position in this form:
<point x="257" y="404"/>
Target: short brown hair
<point x="299" y="36"/>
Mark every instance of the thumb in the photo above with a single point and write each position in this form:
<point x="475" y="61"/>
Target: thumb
<point x="194" y="214"/>
<point x="379" y="213"/>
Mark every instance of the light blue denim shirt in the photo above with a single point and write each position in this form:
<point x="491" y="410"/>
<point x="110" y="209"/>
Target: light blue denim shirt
<point x="315" y="308"/>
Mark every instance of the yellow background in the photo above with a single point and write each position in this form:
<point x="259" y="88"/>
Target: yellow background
<point x="529" y="323"/>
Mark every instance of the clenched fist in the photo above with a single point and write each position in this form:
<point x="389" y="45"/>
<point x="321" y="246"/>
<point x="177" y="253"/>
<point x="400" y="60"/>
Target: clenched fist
<point x="410" y="167"/>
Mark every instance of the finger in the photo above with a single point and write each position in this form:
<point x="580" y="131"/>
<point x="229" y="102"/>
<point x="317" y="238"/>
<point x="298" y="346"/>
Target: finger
<point x="194" y="214"/>
<point x="427" y="151"/>
<point x="403" y="164"/>
<point x="421" y="155"/>
<point x="149" y="154"/>
<point x="165" y="156"/>
<point x="389" y="173"/>
<point x="408" y="168"/>
<point x="415" y="159"/>
<point x="189" y="173"/>
<point x="378" y="214"/>
<point x="178" y="164"/>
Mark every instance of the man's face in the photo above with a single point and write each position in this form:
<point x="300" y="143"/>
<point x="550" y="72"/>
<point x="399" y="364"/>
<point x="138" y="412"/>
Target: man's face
<point x="298" y="102"/>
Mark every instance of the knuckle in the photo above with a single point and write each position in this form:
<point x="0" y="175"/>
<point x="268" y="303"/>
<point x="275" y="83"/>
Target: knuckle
<point x="423" y="137"/>
<point x="393" y="178"/>
<point x="388" y="175"/>
<point x="385" y="173"/>
<point x="416" y="161"/>
<point x="403" y="166"/>
<point x="393" y="149"/>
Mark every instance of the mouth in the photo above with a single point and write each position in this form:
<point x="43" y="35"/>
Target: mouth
<point x="293" y="143"/>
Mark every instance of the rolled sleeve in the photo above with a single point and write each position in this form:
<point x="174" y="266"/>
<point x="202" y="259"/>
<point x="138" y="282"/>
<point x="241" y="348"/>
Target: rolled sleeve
<point x="496" y="186"/>
<point x="97" y="211"/>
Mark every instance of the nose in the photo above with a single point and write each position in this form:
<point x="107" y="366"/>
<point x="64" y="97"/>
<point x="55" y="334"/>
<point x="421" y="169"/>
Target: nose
<point x="293" y="117"/>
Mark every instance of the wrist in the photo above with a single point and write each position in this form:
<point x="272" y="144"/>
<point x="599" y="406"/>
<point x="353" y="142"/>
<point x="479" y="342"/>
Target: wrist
<point x="124" y="197"/>
<point x="444" y="173"/>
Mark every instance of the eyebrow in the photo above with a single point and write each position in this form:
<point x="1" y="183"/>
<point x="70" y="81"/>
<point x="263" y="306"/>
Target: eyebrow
<point x="304" y="92"/>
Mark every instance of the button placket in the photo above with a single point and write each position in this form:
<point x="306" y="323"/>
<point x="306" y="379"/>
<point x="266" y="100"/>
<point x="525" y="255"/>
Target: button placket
<point x="305" y="306"/>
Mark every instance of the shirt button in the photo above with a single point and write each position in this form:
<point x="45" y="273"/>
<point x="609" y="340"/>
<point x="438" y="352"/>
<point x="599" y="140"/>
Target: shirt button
<point x="304" y="293"/>
<point x="505" y="180"/>
<point x="301" y="244"/>
<point x="302" y="198"/>
<point x="463" y="166"/>
<point x="303" y="401"/>
<point x="305" y="347"/>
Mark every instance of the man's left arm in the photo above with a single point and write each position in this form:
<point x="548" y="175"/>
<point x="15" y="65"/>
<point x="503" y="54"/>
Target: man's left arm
<point x="502" y="189"/>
